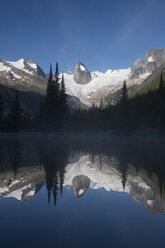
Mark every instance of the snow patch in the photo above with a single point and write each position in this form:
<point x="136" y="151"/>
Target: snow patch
<point x="30" y="193"/>
<point x="149" y="202"/>
<point x="17" y="194"/>
<point x="82" y="68"/>
<point x="150" y="59"/>
<point x="3" y="190"/>
<point x="4" y="68"/>
<point x="81" y="191"/>
<point x="13" y="183"/>
<point x="14" y="75"/>
<point x="20" y="65"/>
<point x="110" y="78"/>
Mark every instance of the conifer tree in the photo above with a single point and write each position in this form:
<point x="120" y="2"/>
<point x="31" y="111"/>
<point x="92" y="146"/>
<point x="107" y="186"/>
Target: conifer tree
<point x="124" y="94"/>
<point x="101" y="104"/>
<point x="50" y="93"/>
<point x="63" y="97"/>
<point x="161" y="82"/>
<point x="56" y="89"/>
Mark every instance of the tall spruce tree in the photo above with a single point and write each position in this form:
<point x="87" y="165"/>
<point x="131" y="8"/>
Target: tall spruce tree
<point x="101" y="104"/>
<point x="124" y="94"/>
<point x="63" y="97"/>
<point x="56" y="89"/>
<point x="50" y="94"/>
<point x="161" y="81"/>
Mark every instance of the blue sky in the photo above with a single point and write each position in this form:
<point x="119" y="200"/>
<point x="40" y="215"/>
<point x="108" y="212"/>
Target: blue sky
<point x="102" y="34"/>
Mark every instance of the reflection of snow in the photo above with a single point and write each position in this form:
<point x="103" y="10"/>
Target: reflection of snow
<point x="17" y="194"/>
<point x="3" y="190"/>
<point x="109" y="181"/>
<point x="14" y="182"/>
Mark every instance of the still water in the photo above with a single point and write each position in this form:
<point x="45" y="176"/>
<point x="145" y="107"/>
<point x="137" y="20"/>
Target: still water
<point x="82" y="192"/>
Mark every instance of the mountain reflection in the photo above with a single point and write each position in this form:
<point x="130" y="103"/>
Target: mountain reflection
<point x="134" y="167"/>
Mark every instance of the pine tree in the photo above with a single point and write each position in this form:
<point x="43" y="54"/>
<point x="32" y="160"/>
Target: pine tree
<point x="63" y="97"/>
<point x="161" y="82"/>
<point x="57" y="89"/>
<point x="50" y="93"/>
<point x="124" y="94"/>
<point x="101" y="104"/>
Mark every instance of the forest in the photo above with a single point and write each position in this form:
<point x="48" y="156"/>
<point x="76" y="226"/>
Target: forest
<point x="141" y="112"/>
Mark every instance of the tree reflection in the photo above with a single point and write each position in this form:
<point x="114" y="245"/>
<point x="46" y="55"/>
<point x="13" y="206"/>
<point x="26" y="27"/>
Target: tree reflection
<point x="54" y="159"/>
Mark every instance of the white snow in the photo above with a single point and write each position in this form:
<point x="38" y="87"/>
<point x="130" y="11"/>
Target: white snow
<point x="16" y="76"/>
<point x="13" y="183"/>
<point x="99" y="80"/>
<point x="149" y="202"/>
<point x="3" y="190"/>
<point x="17" y="194"/>
<point x="4" y="68"/>
<point x="109" y="181"/>
<point x="82" y="68"/>
<point x="145" y="75"/>
<point x="150" y="59"/>
<point x="19" y="65"/>
<point x="30" y="193"/>
<point x="81" y="191"/>
<point x="33" y="66"/>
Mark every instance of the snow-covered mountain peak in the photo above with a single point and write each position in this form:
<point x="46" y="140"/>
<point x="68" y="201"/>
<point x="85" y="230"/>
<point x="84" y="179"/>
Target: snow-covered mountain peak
<point x="27" y="65"/>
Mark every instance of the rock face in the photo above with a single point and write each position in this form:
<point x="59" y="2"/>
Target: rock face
<point x="154" y="59"/>
<point x="32" y="66"/>
<point x="80" y="184"/>
<point x="81" y="74"/>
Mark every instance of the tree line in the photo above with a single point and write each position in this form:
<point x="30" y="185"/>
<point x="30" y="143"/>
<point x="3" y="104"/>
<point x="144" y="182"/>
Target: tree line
<point x="142" y="112"/>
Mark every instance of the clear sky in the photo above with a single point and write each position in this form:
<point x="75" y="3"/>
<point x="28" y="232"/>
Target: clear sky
<point x="102" y="34"/>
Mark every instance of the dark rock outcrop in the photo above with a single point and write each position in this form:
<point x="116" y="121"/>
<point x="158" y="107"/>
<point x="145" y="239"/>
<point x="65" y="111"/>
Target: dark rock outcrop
<point x="80" y="185"/>
<point x="81" y="74"/>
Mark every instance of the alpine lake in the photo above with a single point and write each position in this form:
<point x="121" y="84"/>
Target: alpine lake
<point x="80" y="191"/>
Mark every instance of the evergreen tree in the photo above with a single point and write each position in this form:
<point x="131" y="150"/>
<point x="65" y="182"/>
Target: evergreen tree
<point x="50" y="94"/>
<point x="57" y="89"/>
<point x="161" y="82"/>
<point x="101" y="104"/>
<point x="63" y="97"/>
<point x="124" y="94"/>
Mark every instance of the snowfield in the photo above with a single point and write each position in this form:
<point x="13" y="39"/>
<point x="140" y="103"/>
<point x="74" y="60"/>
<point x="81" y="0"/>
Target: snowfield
<point x="110" y="78"/>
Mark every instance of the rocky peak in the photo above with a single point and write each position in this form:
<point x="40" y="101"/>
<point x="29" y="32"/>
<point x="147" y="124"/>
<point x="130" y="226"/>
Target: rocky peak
<point x="81" y="74"/>
<point x="155" y="55"/>
<point x="138" y="62"/>
<point x="32" y="66"/>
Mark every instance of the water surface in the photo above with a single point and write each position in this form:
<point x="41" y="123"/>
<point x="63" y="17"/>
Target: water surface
<point x="82" y="192"/>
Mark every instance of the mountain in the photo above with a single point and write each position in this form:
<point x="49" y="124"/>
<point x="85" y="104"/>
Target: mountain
<point x="102" y="172"/>
<point x="91" y="87"/>
<point x="24" y="75"/>
<point x="83" y="87"/>
<point x="151" y="83"/>
<point x="83" y="172"/>
<point x="29" y="79"/>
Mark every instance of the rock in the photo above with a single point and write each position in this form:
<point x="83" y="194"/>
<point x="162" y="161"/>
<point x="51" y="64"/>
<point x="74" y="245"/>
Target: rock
<point x="32" y="66"/>
<point x="80" y="185"/>
<point x="81" y="74"/>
